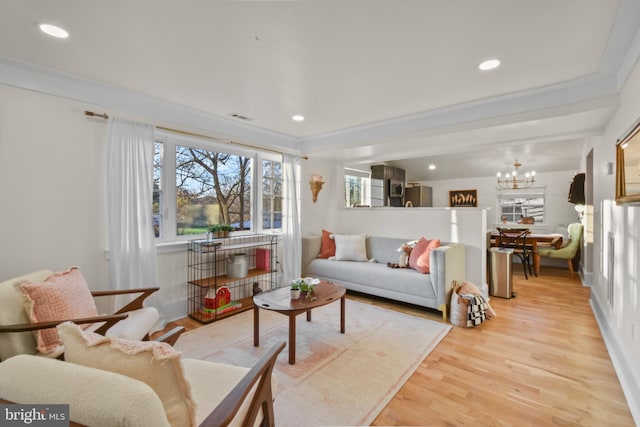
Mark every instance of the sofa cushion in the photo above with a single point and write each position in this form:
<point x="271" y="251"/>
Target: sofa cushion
<point x="327" y="245"/>
<point x="351" y="247"/>
<point x="136" y="326"/>
<point x="375" y="276"/>
<point x="12" y="312"/>
<point x="384" y="249"/>
<point x="202" y="373"/>
<point x="419" y="259"/>
<point x="154" y="363"/>
<point x="95" y="397"/>
<point x="63" y="295"/>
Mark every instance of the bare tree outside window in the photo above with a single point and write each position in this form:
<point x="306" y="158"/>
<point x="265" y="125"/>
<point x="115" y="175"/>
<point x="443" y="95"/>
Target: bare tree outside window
<point x="271" y="195"/>
<point x="157" y="188"/>
<point x="211" y="188"/>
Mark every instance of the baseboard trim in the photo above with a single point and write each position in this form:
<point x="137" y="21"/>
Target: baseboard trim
<point x="174" y="310"/>
<point x="621" y="365"/>
<point x="587" y="278"/>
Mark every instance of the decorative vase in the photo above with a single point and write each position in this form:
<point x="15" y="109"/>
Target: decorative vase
<point x="295" y="293"/>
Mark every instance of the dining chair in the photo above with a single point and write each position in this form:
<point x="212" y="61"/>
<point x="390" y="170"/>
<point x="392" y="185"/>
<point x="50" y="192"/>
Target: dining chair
<point x="516" y="240"/>
<point x="569" y="250"/>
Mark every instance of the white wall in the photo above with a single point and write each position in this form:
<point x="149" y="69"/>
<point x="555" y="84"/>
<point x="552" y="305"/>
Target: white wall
<point x="53" y="179"/>
<point x="558" y="214"/>
<point x="619" y="317"/>
<point x="315" y="215"/>
<point x="53" y="192"/>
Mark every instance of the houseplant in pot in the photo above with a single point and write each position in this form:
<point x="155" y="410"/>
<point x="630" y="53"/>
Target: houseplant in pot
<point x="220" y="230"/>
<point x="303" y="285"/>
<point x="295" y="290"/>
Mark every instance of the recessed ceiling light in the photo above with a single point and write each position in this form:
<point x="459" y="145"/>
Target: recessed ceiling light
<point x="54" y="31"/>
<point x="432" y="167"/>
<point x="297" y="118"/>
<point x="489" y="64"/>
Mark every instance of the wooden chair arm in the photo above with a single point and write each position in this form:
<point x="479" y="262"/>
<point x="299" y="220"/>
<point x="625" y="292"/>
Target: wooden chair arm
<point x="136" y="304"/>
<point x="172" y="336"/>
<point x="122" y="291"/>
<point x="262" y="399"/>
<point x="24" y="327"/>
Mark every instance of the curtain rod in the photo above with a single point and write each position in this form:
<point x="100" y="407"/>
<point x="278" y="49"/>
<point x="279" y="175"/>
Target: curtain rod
<point x="198" y="135"/>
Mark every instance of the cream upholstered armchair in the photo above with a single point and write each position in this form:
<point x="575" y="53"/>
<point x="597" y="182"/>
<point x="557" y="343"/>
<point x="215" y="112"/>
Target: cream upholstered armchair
<point x="569" y="250"/>
<point x="117" y="382"/>
<point x="33" y="304"/>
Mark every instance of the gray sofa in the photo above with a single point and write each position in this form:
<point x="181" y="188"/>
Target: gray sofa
<point x="447" y="263"/>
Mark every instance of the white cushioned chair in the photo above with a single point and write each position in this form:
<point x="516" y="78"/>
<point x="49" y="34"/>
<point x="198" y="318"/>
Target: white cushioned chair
<point x="569" y="250"/>
<point x="216" y="394"/>
<point x="132" y="321"/>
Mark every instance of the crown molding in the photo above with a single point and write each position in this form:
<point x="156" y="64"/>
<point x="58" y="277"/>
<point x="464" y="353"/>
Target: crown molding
<point x="162" y="113"/>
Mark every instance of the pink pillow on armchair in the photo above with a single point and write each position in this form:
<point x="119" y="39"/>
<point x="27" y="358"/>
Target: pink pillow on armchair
<point x="421" y="253"/>
<point x="62" y="296"/>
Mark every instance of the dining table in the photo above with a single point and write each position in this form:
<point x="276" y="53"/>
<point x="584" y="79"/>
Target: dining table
<point x="534" y="240"/>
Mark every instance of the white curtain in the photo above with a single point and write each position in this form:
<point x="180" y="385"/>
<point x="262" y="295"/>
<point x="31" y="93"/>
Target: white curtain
<point x="132" y="251"/>
<point x="292" y="238"/>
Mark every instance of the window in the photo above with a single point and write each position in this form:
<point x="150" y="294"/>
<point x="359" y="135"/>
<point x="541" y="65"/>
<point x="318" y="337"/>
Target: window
<point x="213" y="185"/>
<point x="157" y="188"/>
<point x="357" y="188"/>
<point x="513" y="206"/>
<point x="271" y="194"/>
<point x="211" y="188"/>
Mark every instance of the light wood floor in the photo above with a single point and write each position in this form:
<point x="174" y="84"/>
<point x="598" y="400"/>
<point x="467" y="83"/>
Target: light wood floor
<point x="541" y="362"/>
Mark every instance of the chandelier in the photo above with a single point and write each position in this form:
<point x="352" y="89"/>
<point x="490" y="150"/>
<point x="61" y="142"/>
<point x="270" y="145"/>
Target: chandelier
<point x="513" y="182"/>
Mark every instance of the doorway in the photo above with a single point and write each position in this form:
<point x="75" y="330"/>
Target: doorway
<point x="587" y="221"/>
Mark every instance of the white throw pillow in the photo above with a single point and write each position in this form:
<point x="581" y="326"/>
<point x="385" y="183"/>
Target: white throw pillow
<point x="351" y="247"/>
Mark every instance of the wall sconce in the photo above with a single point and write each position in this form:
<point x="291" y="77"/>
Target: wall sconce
<point x="316" y="185"/>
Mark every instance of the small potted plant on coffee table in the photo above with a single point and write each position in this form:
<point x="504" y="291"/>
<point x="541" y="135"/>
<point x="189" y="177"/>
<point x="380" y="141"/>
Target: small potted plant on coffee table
<point x="304" y="285"/>
<point x="295" y="289"/>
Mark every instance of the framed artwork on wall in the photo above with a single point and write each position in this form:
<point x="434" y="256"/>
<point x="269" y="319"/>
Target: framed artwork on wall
<point x="463" y="198"/>
<point x="628" y="166"/>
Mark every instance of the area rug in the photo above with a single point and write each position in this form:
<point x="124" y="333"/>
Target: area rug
<point x="338" y="379"/>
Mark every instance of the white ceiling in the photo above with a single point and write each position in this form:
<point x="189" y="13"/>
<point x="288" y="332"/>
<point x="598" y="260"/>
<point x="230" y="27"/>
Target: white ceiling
<point x="376" y="79"/>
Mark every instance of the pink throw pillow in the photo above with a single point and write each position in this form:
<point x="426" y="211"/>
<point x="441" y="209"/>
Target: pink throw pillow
<point x="421" y="253"/>
<point x="62" y="296"/>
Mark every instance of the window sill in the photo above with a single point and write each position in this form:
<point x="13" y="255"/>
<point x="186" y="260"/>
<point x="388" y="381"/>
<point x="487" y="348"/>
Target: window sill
<point x="538" y="227"/>
<point x="167" y="247"/>
<point x="182" y="245"/>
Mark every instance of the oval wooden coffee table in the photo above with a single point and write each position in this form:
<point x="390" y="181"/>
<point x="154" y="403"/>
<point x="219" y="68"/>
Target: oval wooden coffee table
<point x="279" y="300"/>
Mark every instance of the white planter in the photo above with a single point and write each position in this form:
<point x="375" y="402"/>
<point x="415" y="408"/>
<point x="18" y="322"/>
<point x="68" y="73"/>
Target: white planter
<point x="237" y="266"/>
<point x="295" y="293"/>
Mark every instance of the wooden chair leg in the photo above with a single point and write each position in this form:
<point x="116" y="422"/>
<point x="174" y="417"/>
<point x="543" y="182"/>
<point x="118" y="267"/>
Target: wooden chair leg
<point x="570" y="264"/>
<point x="524" y="265"/>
